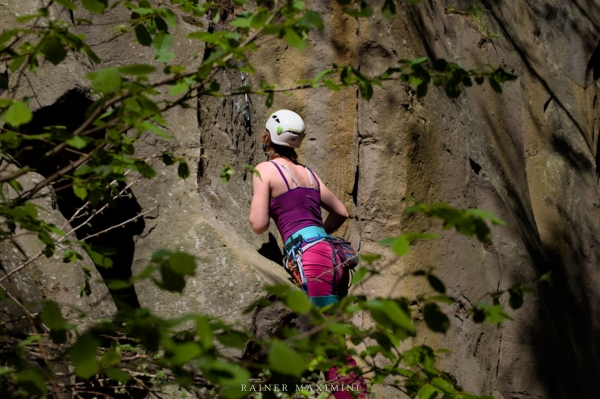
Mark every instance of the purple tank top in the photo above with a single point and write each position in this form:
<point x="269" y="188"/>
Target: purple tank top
<point x="297" y="208"/>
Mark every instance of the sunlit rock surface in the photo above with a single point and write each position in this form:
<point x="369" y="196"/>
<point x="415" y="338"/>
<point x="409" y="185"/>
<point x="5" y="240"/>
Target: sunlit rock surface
<point x="529" y="155"/>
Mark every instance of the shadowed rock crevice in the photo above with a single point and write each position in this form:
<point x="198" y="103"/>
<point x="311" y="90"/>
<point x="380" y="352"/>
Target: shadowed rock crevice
<point x="475" y="167"/>
<point x="69" y="111"/>
<point x="594" y="63"/>
<point x="271" y="251"/>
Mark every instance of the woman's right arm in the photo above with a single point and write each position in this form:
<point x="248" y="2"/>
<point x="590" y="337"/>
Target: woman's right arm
<point x="337" y="211"/>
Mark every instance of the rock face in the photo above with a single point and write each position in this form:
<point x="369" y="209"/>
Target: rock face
<point x="529" y="155"/>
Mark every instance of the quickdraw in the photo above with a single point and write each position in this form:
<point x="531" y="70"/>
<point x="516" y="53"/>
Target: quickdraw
<point x="292" y="260"/>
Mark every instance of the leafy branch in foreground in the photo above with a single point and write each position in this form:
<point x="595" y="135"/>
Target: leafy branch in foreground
<point x="140" y="351"/>
<point x="137" y="350"/>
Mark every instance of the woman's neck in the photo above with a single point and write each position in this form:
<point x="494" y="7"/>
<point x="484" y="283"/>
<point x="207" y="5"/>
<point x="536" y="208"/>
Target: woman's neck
<point x="277" y="156"/>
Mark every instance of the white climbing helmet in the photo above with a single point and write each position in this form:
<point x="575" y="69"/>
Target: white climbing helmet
<point x="286" y="128"/>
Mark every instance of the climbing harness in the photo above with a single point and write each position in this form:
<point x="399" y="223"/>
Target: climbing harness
<point x="296" y="245"/>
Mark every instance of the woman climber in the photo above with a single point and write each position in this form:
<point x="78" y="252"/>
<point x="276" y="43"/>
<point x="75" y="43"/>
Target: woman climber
<point x="293" y="195"/>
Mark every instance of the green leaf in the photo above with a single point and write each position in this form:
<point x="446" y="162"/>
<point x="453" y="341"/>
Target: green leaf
<point x="117" y="375"/>
<point x="142" y="35"/>
<point x="53" y="50"/>
<point x="106" y="80"/>
<point x="137" y="69"/>
<point x="418" y="61"/>
<point x="443" y="385"/>
<point x="492" y="314"/>
<point x="427" y="392"/>
<point x="16" y="63"/>
<point x="278" y="289"/>
<point x="299" y="5"/>
<point x="183" y="170"/>
<point x="112" y="356"/>
<point x="298" y="302"/>
<point x="98" y="255"/>
<point x="366" y="89"/>
<point x="165" y="56"/>
<point x="331" y="84"/>
<point x="17" y="114"/>
<point x="186" y="351"/>
<point x="15" y="185"/>
<point x="389" y="10"/>
<point x="204" y="332"/>
<point x="77" y="142"/>
<point x="269" y="100"/>
<point x="365" y="11"/>
<point x="95" y="6"/>
<point x="369" y="258"/>
<point x="253" y="170"/>
<point x="422" y="355"/>
<point x="226" y="173"/>
<point x="27" y="17"/>
<point x="159" y="256"/>
<point x="83" y="356"/>
<point x="155" y="129"/>
<point x="389" y="314"/>
<point x="118" y="284"/>
<point x="33" y="381"/>
<point x="145" y="169"/>
<point x="285" y="361"/>
<point x="312" y="18"/>
<point x="179" y="88"/>
<point x="495" y="85"/>
<point x="359" y="275"/>
<point x="69" y="5"/>
<point x="293" y="39"/>
<point x="171" y="281"/>
<point x="547" y="277"/>
<point x="400" y="246"/>
<point x="436" y="320"/>
<point x="80" y="192"/>
<point x="162" y="42"/>
<point x="241" y="22"/>
<point x="233" y="339"/>
<point x="182" y="263"/>
<point x="52" y="317"/>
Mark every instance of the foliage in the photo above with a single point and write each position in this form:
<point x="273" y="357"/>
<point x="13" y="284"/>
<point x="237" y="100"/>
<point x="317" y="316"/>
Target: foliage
<point x="136" y="349"/>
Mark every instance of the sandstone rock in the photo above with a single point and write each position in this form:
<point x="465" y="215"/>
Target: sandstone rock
<point x="529" y="155"/>
<point x="56" y="280"/>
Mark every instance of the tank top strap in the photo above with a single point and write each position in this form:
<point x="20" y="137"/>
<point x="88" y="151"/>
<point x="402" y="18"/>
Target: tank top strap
<point x="281" y="173"/>
<point x="311" y="180"/>
<point x="289" y="172"/>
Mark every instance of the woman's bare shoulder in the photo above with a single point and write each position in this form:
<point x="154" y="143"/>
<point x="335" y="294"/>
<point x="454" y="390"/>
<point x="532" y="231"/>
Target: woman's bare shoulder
<point x="263" y="165"/>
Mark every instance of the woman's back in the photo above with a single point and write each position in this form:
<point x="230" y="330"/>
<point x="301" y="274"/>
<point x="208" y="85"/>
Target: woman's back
<point x="295" y="175"/>
<point x="299" y="206"/>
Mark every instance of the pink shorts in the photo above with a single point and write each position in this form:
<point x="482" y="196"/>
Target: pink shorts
<point x="318" y="269"/>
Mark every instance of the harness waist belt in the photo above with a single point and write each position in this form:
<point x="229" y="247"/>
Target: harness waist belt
<point x="307" y="233"/>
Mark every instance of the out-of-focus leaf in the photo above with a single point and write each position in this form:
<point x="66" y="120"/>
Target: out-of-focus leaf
<point x="285" y="361"/>
<point x="17" y="114"/>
